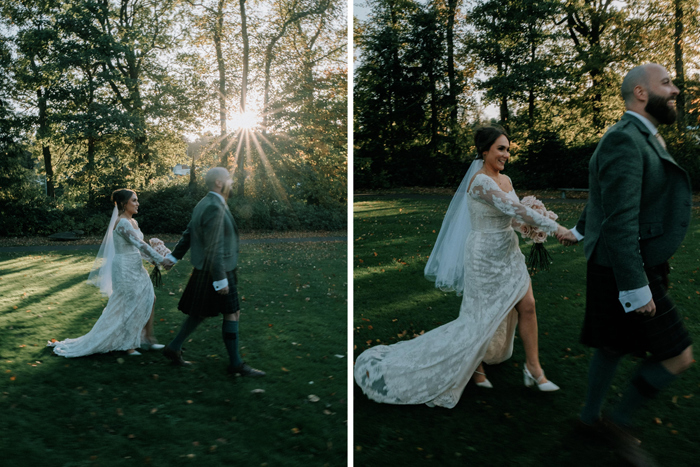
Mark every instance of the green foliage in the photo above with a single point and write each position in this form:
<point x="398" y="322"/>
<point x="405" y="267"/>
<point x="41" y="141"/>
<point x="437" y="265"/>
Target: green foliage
<point x="552" y="68"/>
<point x="402" y="100"/>
<point x="164" y="209"/>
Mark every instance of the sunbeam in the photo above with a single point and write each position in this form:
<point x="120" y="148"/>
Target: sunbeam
<point x="243" y="121"/>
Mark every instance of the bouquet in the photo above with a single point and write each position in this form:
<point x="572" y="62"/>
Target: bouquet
<point x="539" y="258"/>
<point x="160" y="248"/>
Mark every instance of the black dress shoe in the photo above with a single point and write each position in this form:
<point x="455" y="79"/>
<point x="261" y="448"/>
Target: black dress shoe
<point x="635" y="456"/>
<point x="175" y="356"/>
<point x="605" y="430"/>
<point x="245" y="370"/>
<point x="625" y="445"/>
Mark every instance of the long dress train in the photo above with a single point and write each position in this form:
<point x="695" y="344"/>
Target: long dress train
<point x="435" y="368"/>
<point x="121" y="325"/>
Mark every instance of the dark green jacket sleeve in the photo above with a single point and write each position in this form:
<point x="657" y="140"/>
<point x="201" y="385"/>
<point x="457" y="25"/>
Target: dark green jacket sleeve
<point x="620" y="171"/>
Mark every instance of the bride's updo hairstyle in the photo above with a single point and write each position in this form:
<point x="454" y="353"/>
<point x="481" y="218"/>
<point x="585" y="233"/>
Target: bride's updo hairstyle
<point x="485" y="136"/>
<point x="121" y="197"/>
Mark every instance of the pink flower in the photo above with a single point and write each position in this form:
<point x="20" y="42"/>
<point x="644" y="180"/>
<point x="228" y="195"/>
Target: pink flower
<point x="533" y="203"/>
<point x="552" y="215"/>
<point x="540" y="237"/>
<point x="525" y="230"/>
<point x="158" y="245"/>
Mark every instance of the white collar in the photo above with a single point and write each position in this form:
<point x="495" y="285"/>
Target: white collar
<point x="219" y="196"/>
<point x="645" y="121"/>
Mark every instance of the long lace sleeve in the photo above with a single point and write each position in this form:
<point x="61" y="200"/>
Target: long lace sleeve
<point x="485" y="189"/>
<point x="127" y="231"/>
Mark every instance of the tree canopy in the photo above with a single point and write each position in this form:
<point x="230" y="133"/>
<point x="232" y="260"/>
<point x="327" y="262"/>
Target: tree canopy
<point x="101" y="94"/>
<point x="551" y="68"/>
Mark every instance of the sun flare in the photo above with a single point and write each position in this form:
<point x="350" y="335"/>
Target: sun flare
<point x="243" y="121"/>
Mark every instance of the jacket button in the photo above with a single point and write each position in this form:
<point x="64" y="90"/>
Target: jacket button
<point x="628" y="305"/>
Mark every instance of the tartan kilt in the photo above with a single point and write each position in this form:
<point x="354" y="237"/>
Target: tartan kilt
<point x="201" y="300"/>
<point x="607" y="326"/>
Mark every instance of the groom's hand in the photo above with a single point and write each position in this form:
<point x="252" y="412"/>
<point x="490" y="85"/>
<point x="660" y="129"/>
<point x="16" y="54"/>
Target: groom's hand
<point x="167" y="264"/>
<point x="223" y="291"/>
<point x="647" y="310"/>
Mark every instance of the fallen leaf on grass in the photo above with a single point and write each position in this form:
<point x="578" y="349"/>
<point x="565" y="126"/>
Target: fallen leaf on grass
<point x="658" y="421"/>
<point x="284" y="369"/>
<point x="258" y="391"/>
<point x="314" y="398"/>
<point x="153" y="411"/>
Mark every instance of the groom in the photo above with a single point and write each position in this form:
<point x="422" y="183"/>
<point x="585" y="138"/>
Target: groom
<point x="213" y="237"/>
<point x="636" y="217"/>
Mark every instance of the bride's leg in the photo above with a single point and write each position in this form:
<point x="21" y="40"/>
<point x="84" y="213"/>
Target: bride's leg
<point x="148" y="329"/>
<point x="479" y="375"/>
<point x="527" y="324"/>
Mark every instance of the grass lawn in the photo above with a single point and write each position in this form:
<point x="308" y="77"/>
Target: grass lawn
<point x="116" y="410"/>
<point x="510" y="424"/>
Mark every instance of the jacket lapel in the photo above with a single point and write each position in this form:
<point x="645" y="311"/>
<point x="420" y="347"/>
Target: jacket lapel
<point x="651" y="139"/>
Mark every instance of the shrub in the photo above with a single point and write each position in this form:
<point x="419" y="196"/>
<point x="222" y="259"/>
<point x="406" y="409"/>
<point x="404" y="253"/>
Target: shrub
<point x="164" y="210"/>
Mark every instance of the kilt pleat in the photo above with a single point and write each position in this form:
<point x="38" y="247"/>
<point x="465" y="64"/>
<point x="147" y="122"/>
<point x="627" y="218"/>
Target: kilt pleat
<point x="201" y="300"/>
<point x="606" y="325"/>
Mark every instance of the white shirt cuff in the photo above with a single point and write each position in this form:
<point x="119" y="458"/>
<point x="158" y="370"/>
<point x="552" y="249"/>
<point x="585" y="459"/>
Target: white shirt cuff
<point x="171" y="258"/>
<point x="222" y="284"/>
<point x="634" y="299"/>
<point x="578" y="236"/>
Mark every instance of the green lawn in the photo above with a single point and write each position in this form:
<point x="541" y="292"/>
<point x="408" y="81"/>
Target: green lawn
<point x="511" y="424"/>
<point x="117" y="410"/>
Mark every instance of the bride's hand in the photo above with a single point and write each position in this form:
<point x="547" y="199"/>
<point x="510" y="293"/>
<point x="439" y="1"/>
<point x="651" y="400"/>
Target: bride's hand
<point x="565" y="236"/>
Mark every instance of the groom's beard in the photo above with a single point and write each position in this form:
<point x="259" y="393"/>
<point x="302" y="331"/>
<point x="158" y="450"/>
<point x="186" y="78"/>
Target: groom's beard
<point x="657" y="107"/>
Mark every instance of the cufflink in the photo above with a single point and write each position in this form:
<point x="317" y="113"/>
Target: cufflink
<point x="628" y="305"/>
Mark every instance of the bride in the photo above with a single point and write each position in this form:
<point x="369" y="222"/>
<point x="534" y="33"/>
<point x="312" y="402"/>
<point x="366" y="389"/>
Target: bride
<point x="477" y="254"/>
<point x="126" y="322"/>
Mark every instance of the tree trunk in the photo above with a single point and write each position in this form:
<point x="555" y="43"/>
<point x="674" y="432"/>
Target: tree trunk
<point x="193" y="169"/>
<point x="597" y="82"/>
<point x="43" y="132"/>
<point x="218" y="39"/>
<point x="244" y="90"/>
<point x="451" y="75"/>
<point x="91" y="170"/>
<point x="504" y="113"/>
<point x="679" y="62"/>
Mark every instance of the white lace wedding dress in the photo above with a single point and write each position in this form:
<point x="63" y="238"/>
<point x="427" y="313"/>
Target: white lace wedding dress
<point x="121" y="325"/>
<point x="435" y="368"/>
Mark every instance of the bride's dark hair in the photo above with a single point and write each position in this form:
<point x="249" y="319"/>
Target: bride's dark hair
<point x="485" y="136"/>
<point x="121" y="197"/>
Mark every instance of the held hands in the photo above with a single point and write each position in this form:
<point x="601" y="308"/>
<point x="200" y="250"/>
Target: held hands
<point x="223" y="291"/>
<point x="565" y="236"/>
<point x="647" y="310"/>
<point x="167" y="264"/>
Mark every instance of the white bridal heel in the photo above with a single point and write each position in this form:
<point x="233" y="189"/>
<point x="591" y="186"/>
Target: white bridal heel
<point x="485" y="383"/>
<point x="530" y="381"/>
<point x="149" y="346"/>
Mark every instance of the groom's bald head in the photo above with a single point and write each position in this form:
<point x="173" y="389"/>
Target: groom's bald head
<point x="637" y="76"/>
<point x="216" y="174"/>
